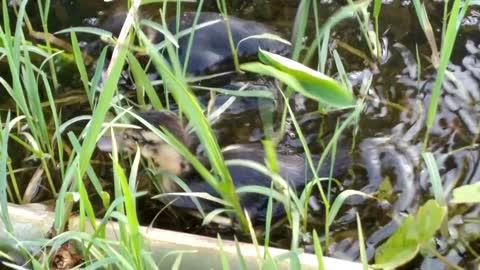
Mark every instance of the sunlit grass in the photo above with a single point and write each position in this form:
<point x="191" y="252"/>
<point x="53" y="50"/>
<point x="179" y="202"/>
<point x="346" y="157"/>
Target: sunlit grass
<point x="25" y="91"/>
<point x="3" y="176"/>
<point x="41" y="141"/>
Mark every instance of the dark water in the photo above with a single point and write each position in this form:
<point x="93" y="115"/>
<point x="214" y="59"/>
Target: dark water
<point x="388" y="142"/>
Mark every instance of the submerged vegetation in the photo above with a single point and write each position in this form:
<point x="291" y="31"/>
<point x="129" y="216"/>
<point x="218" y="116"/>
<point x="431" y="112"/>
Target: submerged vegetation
<point x="412" y="155"/>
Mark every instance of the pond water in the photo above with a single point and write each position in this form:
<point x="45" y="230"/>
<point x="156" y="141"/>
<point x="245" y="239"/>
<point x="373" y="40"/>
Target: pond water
<point x="386" y="147"/>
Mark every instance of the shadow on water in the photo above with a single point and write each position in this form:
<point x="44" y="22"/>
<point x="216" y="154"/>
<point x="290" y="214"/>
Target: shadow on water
<point x="391" y="129"/>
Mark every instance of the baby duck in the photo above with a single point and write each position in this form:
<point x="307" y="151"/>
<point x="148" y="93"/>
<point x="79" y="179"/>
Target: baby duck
<point x="293" y="168"/>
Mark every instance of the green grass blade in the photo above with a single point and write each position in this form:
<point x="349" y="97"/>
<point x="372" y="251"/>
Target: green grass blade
<point x="135" y="236"/>
<point x="88" y="30"/>
<point x="223" y="256"/>
<point x="435" y="178"/>
<point x="340" y="15"/>
<point x="100" y="111"/>
<point x="81" y="67"/>
<point x="318" y="251"/>
<point x="339" y="202"/>
<point x="446" y="52"/>
<point x="3" y="175"/>
<point x="190" y="107"/>
<point x="97" y="76"/>
<point x="299" y="27"/>
<point x="268" y="222"/>
<point x="361" y="243"/>
<point x="143" y="84"/>
<point x="39" y="130"/>
<point x="190" y="38"/>
<point x="313" y="91"/>
<point x="241" y="258"/>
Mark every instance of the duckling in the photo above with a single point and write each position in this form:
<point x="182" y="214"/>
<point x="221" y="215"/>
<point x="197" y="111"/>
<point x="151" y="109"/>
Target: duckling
<point x="293" y="168"/>
<point x="163" y="156"/>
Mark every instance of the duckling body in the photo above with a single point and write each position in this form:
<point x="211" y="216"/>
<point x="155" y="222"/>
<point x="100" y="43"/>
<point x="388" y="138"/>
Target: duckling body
<point x="293" y="168"/>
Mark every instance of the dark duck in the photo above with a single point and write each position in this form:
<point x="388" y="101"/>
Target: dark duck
<point x="293" y="167"/>
<point x="210" y="50"/>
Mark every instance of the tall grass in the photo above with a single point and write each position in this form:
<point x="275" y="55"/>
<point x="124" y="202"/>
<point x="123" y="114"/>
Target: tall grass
<point x="25" y="91"/>
<point x="190" y="106"/>
<point x="27" y="83"/>
<point x="222" y="7"/>
<point x="447" y="46"/>
<point x="3" y="175"/>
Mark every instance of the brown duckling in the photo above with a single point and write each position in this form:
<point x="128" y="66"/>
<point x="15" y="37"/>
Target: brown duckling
<point x="293" y="168"/>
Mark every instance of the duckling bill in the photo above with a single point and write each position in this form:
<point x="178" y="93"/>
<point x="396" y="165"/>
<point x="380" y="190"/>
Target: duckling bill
<point x="293" y="168"/>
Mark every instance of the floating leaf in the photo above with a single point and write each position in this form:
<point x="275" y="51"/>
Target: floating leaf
<point x="467" y="194"/>
<point x="405" y="243"/>
<point x="303" y="79"/>
<point x="429" y="220"/>
<point x="400" y="248"/>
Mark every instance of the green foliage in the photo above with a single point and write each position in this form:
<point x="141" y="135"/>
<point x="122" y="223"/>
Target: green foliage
<point x="4" y="132"/>
<point x="223" y="257"/>
<point x="134" y="237"/>
<point x="341" y="14"/>
<point x="361" y="243"/>
<point x="303" y="79"/>
<point x="88" y="30"/>
<point x="447" y="47"/>
<point x="143" y="84"/>
<point x="467" y="194"/>
<point x="339" y="202"/>
<point x="318" y="251"/>
<point x="400" y="248"/>
<point x="81" y="67"/>
<point x="299" y="27"/>
<point x="191" y="108"/>
<point x="435" y="179"/>
<point x="414" y="234"/>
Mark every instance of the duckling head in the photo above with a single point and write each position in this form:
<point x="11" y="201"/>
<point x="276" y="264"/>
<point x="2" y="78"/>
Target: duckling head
<point x="164" y="157"/>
